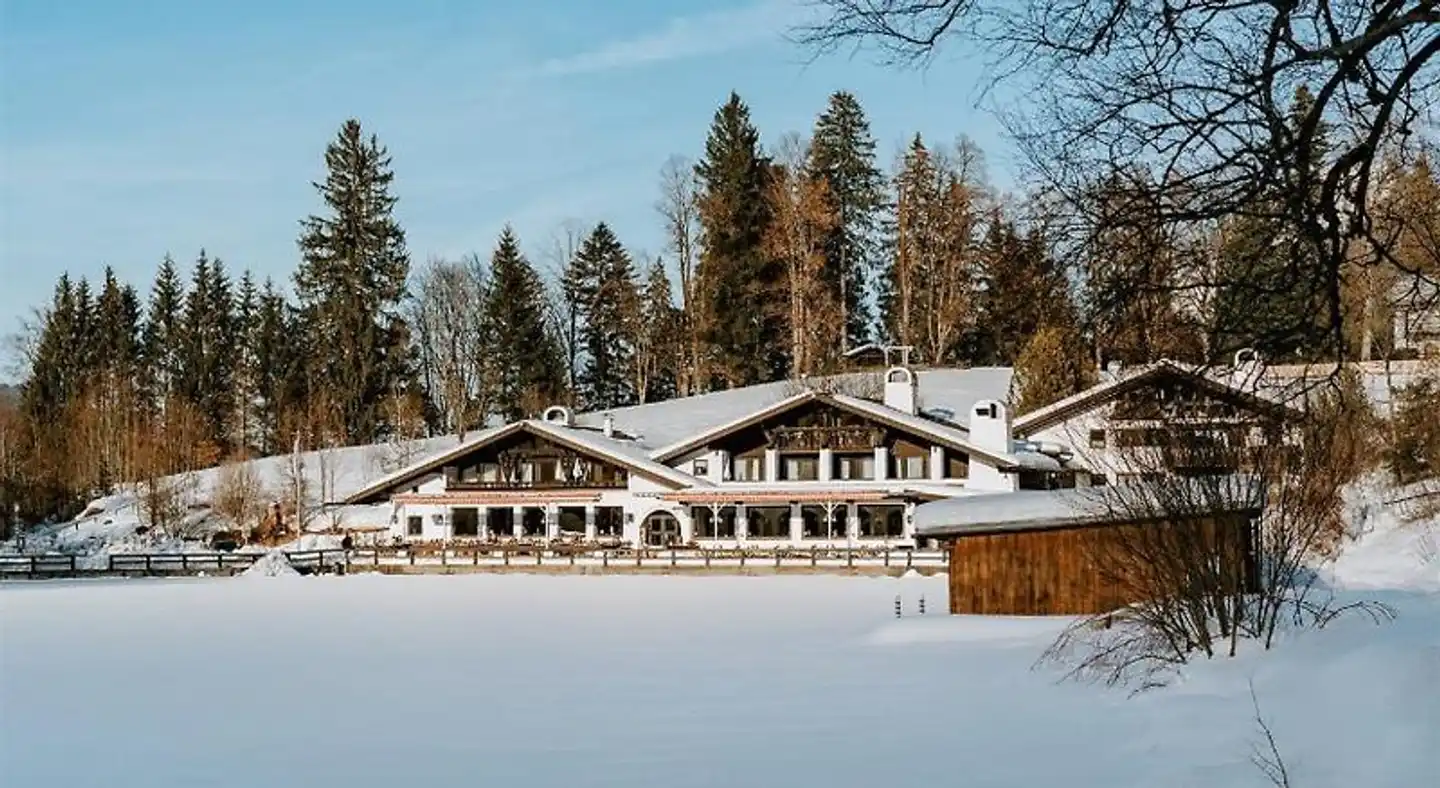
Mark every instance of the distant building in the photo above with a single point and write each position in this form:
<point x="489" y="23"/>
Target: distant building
<point x="1415" y="302"/>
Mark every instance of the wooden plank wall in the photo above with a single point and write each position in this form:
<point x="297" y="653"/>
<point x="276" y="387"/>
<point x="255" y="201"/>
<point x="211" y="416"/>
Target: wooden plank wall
<point x="1055" y="571"/>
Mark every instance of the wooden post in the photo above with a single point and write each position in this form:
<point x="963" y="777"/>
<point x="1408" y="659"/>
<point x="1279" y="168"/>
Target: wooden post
<point x="742" y="558"/>
<point x="184" y="563"/>
<point x="909" y="559"/>
<point x="850" y="558"/>
<point x="110" y="563"/>
<point x="887" y="556"/>
<point x="777" y="558"/>
<point x="147" y="563"/>
<point x="411" y="553"/>
<point x="443" y="551"/>
<point x="638" y="554"/>
<point x="672" y="556"/>
<point x="812" y="554"/>
<point x="707" y="558"/>
<point x="605" y="558"/>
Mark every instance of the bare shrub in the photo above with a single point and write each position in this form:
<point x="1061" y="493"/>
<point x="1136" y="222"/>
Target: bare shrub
<point x="1266" y="757"/>
<point x="1226" y="524"/>
<point x="240" y="496"/>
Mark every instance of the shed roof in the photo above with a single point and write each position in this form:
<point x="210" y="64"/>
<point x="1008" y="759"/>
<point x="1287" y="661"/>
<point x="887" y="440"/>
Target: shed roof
<point x="1033" y="510"/>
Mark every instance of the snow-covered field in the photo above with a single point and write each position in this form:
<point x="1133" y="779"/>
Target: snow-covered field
<point x="631" y="681"/>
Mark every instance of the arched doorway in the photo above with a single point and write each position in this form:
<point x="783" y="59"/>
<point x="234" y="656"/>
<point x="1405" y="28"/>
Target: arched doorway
<point x="660" y="529"/>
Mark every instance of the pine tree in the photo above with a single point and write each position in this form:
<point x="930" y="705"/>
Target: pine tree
<point x="243" y="357"/>
<point x="117" y="329"/>
<point x="1053" y="365"/>
<point x="160" y="344"/>
<point x="525" y="356"/>
<point x="742" y="299"/>
<point x="83" y="350"/>
<point x="600" y="283"/>
<point x="842" y="154"/>
<point x="1273" y="296"/>
<point x="1131" y="261"/>
<point x="279" y="376"/>
<point x="1024" y="287"/>
<point x="658" y="339"/>
<point x="351" y="281"/>
<point x="50" y="385"/>
<point x="208" y="351"/>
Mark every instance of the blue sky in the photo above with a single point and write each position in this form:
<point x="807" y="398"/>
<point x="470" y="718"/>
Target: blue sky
<point x="129" y="130"/>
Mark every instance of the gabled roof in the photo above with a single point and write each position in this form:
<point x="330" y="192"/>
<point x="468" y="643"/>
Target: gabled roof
<point x="667" y="422"/>
<point x="623" y="453"/>
<point x="917" y="425"/>
<point x="1109" y="390"/>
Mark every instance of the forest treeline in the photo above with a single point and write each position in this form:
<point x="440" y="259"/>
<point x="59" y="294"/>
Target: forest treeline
<point x="778" y="258"/>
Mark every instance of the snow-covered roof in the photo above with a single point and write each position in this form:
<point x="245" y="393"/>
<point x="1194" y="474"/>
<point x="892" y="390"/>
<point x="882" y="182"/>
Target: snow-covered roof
<point x="1040" y="509"/>
<point x="1219" y="381"/>
<point x="626" y="453"/>
<point x="659" y="425"/>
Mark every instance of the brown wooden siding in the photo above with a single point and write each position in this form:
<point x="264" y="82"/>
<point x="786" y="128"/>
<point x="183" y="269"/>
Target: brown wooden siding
<point x="1065" y="571"/>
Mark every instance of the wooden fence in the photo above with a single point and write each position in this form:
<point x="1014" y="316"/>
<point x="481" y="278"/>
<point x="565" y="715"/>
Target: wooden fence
<point x="499" y="558"/>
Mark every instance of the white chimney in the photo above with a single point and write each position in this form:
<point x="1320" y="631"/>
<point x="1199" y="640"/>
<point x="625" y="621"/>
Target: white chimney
<point x="1245" y="374"/>
<point x="990" y="426"/>
<point x="901" y="390"/>
<point x="990" y="430"/>
<point x="608" y="425"/>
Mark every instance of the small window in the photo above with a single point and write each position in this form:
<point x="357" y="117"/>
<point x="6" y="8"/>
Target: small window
<point x="1097" y="439"/>
<point x="414" y="525"/>
<point x="702" y="467"/>
<point x="911" y="467"/>
<point x="1098" y="480"/>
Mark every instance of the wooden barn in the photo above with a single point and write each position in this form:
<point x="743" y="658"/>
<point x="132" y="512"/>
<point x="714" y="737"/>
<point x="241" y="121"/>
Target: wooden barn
<point x="1092" y="550"/>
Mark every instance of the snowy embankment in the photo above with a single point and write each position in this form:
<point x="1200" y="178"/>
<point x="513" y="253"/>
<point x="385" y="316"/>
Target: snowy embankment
<point x="115" y="523"/>
<point x="679" y="681"/>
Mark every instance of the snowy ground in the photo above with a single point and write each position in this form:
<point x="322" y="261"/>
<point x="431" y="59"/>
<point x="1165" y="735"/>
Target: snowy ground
<point x="628" y="681"/>
<point x="470" y="680"/>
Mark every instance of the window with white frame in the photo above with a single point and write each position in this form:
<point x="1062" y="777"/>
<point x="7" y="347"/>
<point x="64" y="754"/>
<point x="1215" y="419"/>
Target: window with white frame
<point x="749" y="469"/>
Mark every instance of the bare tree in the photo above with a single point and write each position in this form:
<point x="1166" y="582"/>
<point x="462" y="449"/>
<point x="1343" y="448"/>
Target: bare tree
<point x="1199" y="93"/>
<point x="565" y="308"/>
<point x="446" y="312"/>
<point x="802" y="219"/>
<point x="679" y="208"/>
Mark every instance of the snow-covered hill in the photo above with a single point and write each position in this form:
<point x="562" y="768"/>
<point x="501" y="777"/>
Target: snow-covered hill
<point x="115" y="523"/>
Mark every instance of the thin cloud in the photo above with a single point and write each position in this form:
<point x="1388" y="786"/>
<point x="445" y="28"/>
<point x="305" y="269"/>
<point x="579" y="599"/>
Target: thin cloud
<point x="686" y="37"/>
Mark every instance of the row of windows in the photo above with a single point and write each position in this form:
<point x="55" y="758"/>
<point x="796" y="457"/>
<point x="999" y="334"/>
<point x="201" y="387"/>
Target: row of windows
<point x="806" y="468"/>
<point x="501" y="521"/>
<point x="773" y="522"/>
